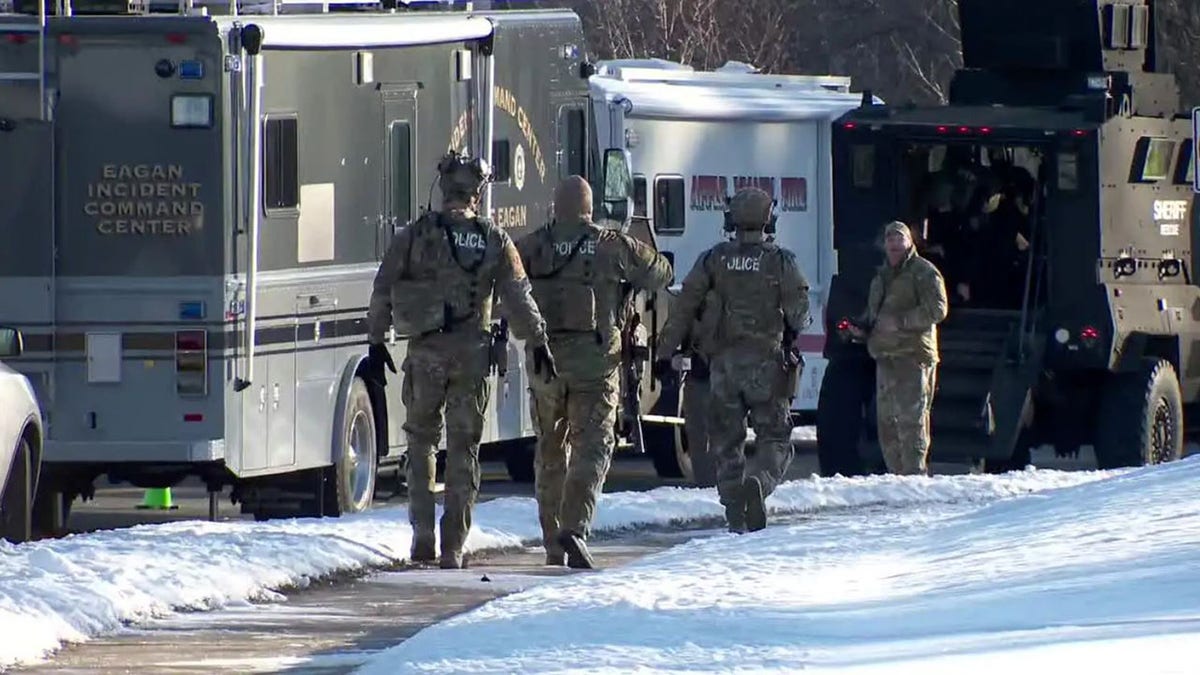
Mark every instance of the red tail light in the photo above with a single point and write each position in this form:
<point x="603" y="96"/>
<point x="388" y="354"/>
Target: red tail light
<point x="844" y="324"/>
<point x="176" y="38"/>
<point x="1089" y="333"/>
<point x="191" y="363"/>
<point x="193" y="417"/>
<point x="16" y="38"/>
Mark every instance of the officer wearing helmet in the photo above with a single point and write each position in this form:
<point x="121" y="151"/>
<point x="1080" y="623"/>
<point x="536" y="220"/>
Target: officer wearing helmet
<point x="761" y="301"/>
<point x="436" y="287"/>
<point x="583" y="278"/>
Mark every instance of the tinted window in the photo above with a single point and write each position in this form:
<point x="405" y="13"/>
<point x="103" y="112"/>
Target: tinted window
<point x="668" y="204"/>
<point x="281" y="175"/>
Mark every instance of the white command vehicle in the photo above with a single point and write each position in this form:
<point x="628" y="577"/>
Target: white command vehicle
<point x="696" y="137"/>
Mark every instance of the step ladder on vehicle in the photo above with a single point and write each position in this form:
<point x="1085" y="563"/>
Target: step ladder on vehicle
<point x="17" y="28"/>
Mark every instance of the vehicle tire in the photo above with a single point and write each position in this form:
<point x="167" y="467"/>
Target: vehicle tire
<point x="1141" y="417"/>
<point x="842" y="405"/>
<point x="355" y="456"/>
<point x="16" y="504"/>
<point x="518" y="459"/>
<point x="697" y="464"/>
<point x="661" y="439"/>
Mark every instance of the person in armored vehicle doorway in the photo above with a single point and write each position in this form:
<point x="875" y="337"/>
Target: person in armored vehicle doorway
<point x="584" y="277"/>
<point x="761" y="301"/>
<point x="436" y="286"/>
<point x="906" y="301"/>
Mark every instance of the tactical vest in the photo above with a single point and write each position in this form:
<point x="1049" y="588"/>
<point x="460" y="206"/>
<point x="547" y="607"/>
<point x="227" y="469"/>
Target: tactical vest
<point x="440" y="291"/>
<point x="746" y="285"/>
<point x="561" y="281"/>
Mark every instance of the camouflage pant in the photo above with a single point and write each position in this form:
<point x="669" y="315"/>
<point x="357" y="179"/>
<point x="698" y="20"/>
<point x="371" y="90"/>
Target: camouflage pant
<point x="903" y="397"/>
<point x="575" y="419"/>
<point x="455" y="378"/>
<point x="749" y="381"/>
<point x="697" y="407"/>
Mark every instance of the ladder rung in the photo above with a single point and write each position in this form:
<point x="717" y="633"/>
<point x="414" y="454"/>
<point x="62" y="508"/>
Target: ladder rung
<point x="20" y="77"/>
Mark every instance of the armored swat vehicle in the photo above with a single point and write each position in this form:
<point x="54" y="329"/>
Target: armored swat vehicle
<point x="1053" y="190"/>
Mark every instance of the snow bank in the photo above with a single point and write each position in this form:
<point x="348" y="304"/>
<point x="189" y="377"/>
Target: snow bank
<point x="1099" y="577"/>
<point x="67" y="590"/>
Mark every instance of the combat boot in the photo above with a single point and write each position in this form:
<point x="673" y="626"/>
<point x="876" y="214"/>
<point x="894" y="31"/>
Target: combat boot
<point x="578" y="556"/>
<point x="756" y="508"/>
<point x="424" y="548"/>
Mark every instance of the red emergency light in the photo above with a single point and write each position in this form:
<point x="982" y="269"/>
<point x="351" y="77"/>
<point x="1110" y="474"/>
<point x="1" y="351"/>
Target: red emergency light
<point x="1089" y="333"/>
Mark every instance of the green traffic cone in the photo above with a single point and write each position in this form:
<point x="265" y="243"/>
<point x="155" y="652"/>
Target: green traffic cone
<point x="158" y="499"/>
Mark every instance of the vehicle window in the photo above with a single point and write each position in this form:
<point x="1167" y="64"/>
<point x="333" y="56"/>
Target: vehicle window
<point x="863" y="165"/>
<point x="668" y="204"/>
<point x="281" y="168"/>
<point x="501" y="160"/>
<point x="639" y="195"/>
<point x="1153" y="157"/>
<point x="402" y="171"/>
<point x="573" y="141"/>
<point x="1186" y="166"/>
<point x="1068" y="171"/>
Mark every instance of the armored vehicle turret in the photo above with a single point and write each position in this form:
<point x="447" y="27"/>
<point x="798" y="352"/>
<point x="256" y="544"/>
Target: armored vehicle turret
<point x="1053" y="190"/>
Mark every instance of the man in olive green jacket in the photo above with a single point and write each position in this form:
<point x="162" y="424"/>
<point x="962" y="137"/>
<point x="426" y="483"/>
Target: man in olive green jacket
<point x="906" y="302"/>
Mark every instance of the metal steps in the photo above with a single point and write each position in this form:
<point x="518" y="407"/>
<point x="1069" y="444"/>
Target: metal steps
<point x="972" y="343"/>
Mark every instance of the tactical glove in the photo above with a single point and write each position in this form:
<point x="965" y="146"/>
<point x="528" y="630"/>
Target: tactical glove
<point x="377" y="357"/>
<point x="543" y="359"/>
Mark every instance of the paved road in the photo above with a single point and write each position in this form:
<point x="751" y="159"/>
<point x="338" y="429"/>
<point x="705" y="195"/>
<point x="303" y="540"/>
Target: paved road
<point x="116" y="506"/>
<point x="332" y="629"/>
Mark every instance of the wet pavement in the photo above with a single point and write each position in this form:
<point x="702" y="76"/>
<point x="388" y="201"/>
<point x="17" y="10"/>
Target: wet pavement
<point x="334" y="628"/>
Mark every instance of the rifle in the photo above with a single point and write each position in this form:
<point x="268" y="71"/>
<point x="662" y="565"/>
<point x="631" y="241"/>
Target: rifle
<point x="793" y="361"/>
<point x="635" y="351"/>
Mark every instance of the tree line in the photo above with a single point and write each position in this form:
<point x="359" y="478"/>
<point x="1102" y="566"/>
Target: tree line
<point x="903" y="50"/>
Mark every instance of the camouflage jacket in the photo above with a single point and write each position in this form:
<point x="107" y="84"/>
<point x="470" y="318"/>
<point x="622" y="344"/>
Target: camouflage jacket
<point x="583" y="279"/>
<point x="914" y="294"/>
<point x="756" y="290"/>
<point x="441" y="273"/>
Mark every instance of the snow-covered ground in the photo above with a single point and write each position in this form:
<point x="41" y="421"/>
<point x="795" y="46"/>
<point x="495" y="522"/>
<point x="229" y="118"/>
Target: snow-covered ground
<point x="70" y="589"/>
<point x="1102" y="577"/>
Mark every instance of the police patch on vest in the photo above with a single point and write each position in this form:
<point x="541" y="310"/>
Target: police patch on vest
<point x="743" y="263"/>
<point x="473" y="240"/>
<point x="587" y="247"/>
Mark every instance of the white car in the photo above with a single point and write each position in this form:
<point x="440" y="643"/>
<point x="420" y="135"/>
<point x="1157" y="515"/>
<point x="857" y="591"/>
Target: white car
<point x="20" y="444"/>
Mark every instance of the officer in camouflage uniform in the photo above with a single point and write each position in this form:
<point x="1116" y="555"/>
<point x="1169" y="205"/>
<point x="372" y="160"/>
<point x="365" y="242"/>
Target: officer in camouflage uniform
<point x="436" y="286"/>
<point x="762" y="296"/>
<point x="906" y="301"/>
<point x="582" y="276"/>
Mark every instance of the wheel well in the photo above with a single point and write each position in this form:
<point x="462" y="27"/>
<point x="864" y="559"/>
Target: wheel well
<point x="379" y="409"/>
<point x="1140" y="345"/>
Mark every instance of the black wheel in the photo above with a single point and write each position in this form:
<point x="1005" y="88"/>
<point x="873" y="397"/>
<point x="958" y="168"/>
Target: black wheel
<point x="51" y="507"/>
<point x="1141" y="417"/>
<point x="16" y="505"/>
<point x="350" y="484"/>
<point x="842" y="410"/>
<point x="518" y="459"/>
<point x="695" y="460"/>
<point x="662" y="440"/>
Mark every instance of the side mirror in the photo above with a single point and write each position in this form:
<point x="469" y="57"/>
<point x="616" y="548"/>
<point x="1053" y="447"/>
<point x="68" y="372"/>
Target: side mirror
<point x="12" y="344"/>
<point x="618" y="186"/>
